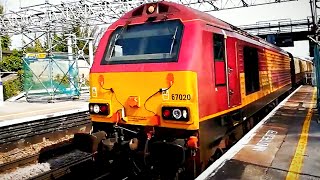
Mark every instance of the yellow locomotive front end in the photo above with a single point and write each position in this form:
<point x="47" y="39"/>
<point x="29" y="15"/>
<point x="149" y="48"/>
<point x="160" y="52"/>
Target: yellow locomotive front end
<point x="161" y="99"/>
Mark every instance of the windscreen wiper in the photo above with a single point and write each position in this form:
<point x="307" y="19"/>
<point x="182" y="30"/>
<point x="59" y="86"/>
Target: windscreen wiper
<point x="117" y="37"/>
<point x="173" y="39"/>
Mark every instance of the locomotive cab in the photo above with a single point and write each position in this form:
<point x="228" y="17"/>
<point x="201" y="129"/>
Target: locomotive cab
<point x="140" y="79"/>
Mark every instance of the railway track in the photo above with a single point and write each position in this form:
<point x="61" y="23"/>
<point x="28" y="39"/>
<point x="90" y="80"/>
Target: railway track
<point x="19" y="162"/>
<point x="51" y="128"/>
<point x="64" y="169"/>
<point x="29" y="143"/>
<point x="58" y="160"/>
<point x="43" y="155"/>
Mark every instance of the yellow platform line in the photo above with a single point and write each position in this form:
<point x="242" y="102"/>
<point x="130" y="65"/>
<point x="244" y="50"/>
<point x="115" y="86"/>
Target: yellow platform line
<point x="296" y="163"/>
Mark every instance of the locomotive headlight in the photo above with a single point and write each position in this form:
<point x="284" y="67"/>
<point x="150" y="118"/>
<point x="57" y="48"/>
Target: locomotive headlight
<point x="91" y="108"/>
<point x="177" y="113"/>
<point x="184" y="113"/>
<point x="96" y="108"/>
<point x="151" y="9"/>
<point x="99" y="108"/>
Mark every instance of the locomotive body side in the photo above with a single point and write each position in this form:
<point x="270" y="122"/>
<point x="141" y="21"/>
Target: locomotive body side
<point x="272" y="73"/>
<point x="257" y="74"/>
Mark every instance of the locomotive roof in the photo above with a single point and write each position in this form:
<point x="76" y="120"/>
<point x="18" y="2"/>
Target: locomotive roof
<point x="186" y="14"/>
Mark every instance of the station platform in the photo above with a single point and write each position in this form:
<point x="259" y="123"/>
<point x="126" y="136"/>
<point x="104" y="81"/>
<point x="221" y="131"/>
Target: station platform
<point x="19" y="112"/>
<point x="284" y="145"/>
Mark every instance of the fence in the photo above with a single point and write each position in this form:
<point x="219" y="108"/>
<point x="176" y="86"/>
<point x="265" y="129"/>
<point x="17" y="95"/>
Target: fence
<point x="49" y="77"/>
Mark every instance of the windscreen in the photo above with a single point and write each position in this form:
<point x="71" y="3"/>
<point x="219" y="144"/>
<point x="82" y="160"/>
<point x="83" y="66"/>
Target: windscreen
<point x="144" y="43"/>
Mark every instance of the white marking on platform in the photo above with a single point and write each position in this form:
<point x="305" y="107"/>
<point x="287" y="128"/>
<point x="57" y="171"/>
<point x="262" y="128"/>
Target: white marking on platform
<point x="264" y="142"/>
<point x="211" y="170"/>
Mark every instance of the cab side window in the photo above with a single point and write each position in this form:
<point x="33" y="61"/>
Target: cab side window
<point x="219" y="47"/>
<point x="219" y="59"/>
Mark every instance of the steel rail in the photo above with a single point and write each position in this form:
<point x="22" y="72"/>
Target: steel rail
<point x="12" y="133"/>
<point x="61" y="171"/>
<point x="19" y="162"/>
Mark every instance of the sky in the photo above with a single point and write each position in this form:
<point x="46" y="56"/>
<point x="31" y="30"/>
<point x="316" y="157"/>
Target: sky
<point x="295" y="10"/>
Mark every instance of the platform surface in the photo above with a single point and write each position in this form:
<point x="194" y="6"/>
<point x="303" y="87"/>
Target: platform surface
<point x="17" y="112"/>
<point x="284" y="145"/>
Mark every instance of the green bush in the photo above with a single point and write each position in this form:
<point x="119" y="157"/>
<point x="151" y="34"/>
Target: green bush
<point x="12" y="88"/>
<point x="13" y="62"/>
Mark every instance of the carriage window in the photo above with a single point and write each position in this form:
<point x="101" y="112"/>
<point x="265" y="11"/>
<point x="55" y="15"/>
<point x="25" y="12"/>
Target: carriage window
<point x="251" y="69"/>
<point x="219" y="48"/>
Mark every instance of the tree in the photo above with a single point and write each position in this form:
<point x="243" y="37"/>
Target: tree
<point x="38" y="46"/>
<point x="81" y="33"/>
<point x="60" y="45"/>
<point x="60" y="42"/>
<point x="12" y="63"/>
<point x="5" y="40"/>
<point x="34" y="47"/>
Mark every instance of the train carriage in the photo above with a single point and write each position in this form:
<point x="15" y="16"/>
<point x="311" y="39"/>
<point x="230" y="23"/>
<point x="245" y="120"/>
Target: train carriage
<point x="303" y="70"/>
<point x="173" y="82"/>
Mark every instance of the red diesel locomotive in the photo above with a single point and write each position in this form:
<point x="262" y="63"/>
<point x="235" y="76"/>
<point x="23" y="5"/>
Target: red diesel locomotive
<point x="174" y="86"/>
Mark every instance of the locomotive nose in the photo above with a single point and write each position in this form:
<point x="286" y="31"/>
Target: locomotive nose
<point x="166" y="99"/>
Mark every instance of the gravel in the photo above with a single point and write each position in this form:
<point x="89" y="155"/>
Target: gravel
<point x="64" y="159"/>
<point x="26" y="172"/>
<point x="33" y="170"/>
<point x="30" y="150"/>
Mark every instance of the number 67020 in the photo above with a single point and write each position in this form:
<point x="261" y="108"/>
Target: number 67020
<point x="182" y="97"/>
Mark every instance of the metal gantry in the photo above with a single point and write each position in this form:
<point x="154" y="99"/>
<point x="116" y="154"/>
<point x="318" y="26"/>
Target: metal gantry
<point x="217" y="5"/>
<point x="279" y="26"/>
<point x="60" y="17"/>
